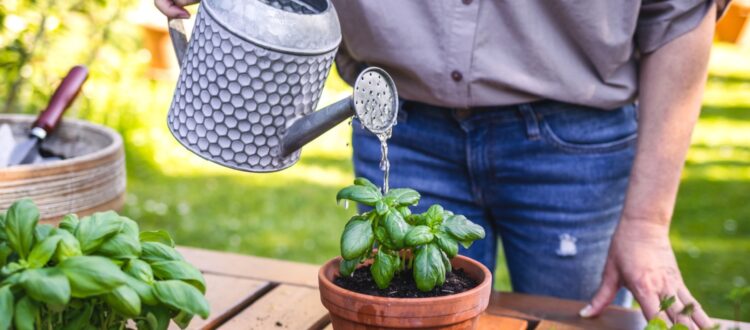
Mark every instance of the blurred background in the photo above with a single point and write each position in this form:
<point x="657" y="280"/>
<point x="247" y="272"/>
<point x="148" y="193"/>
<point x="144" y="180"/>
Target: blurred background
<point x="292" y="214"/>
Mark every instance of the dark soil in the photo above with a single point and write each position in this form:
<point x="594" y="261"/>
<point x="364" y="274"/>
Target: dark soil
<point x="403" y="285"/>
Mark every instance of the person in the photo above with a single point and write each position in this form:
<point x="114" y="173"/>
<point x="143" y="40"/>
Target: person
<point x="561" y="127"/>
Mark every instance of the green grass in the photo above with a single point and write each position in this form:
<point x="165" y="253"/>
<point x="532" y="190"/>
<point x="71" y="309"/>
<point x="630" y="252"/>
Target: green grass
<point x="293" y="215"/>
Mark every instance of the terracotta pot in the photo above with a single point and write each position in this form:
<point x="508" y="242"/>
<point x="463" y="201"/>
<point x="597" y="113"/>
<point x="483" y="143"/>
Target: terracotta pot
<point x="350" y="310"/>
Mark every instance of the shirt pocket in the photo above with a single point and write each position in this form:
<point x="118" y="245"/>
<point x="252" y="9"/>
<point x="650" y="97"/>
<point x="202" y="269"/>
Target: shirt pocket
<point x="578" y="129"/>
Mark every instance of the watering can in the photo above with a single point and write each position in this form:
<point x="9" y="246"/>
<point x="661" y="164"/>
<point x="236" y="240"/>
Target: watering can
<point x="251" y="77"/>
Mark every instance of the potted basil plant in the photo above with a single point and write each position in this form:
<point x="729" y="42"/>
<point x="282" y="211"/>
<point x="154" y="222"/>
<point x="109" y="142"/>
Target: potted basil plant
<point x="402" y="270"/>
<point x="98" y="272"/>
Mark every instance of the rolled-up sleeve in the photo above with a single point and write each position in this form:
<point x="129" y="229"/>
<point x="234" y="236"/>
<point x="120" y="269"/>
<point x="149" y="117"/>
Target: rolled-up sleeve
<point x="661" y="21"/>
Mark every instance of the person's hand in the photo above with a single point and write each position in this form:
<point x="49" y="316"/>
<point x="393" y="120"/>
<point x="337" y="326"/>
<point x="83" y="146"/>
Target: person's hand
<point x="641" y="259"/>
<point x="174" y="8"/>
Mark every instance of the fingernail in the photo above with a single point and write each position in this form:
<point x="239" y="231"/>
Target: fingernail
<point x="586" y="311"/>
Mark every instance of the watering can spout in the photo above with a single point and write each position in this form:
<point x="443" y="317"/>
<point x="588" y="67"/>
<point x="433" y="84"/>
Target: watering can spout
<point x="246" y="93"/>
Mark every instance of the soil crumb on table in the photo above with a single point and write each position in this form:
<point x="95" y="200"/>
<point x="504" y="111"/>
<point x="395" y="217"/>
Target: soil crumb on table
<point x="403" y="285"/>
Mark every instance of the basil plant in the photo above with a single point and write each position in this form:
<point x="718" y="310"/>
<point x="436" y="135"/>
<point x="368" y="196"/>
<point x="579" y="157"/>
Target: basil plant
<point x="98" y="272"/>
<point x="423" y="243"/>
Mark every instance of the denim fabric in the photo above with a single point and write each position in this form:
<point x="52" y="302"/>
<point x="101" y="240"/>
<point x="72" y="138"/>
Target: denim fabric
<point x="547" y="178"/>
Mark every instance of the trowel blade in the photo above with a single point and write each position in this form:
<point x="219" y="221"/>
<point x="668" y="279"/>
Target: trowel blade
<point x="24" y="152"/>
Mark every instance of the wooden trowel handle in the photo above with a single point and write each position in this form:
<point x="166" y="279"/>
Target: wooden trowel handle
<point x="62" y="98"/>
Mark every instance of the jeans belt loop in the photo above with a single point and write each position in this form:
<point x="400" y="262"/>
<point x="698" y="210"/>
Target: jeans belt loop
<point x="530" y="118"/>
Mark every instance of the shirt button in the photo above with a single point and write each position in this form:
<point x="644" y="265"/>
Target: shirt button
<point x="467" y="2"/>
<point x="456" y="75"/>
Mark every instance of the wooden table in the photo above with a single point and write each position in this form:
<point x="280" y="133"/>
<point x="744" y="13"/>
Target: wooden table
<point x="247" y="292"/>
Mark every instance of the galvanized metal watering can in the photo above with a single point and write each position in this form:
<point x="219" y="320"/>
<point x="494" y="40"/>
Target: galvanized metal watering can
<point x="251" y="77"/>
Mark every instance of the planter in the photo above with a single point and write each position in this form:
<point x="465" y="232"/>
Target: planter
<point x="350" y="310"/>
<point x="91" y="178"/>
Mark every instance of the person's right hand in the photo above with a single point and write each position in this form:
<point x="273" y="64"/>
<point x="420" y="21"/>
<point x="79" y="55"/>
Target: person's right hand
<point x="174" y="8"/>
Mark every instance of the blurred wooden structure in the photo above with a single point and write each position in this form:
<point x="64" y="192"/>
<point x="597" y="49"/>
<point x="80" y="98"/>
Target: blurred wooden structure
<point x="734" y="26"/>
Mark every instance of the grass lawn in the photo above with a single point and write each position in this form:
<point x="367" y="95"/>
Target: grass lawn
<point x="293" y="215"/>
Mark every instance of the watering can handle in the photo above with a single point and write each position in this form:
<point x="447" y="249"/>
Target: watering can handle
<point x="179" y="38"/>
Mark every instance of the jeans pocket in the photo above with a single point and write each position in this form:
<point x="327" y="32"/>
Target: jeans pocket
<point x="587" y="130"/>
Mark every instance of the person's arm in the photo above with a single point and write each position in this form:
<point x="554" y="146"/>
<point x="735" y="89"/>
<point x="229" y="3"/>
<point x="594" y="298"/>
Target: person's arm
<point x="174" y="8"/>
<point x="672" y="80"/>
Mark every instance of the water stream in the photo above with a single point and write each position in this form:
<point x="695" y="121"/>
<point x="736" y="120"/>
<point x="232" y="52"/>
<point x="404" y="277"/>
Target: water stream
<point x="385" y="165"/>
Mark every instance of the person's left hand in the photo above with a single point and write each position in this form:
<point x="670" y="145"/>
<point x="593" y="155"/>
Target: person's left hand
<point x="641" y="259"/>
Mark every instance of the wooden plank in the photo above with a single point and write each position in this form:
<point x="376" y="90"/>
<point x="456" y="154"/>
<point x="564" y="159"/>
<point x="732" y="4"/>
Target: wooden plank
<point x="284" y="307"/>
<point x="564" y="312"/>
<point x="227" y="296"/>
<point x="493" y="322"/>
<point x="552" y="325"/>
<point x="257" y="268"/>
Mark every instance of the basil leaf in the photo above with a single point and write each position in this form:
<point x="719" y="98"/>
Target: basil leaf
<point x="91" y="275"/>
<point x="382" y="237"/>
<point x="404" y="196"/>
<point x="182" y="296"/>
<point x="158" y="317"/>
<point x="47" y="285"/>
<point x="446" y="263"/>
<point x="656" y="324"/>
<point x="361" y="194"/>
<point x="679" y="326"/>
<point x="463" y="229"/>
<point x="396" y="227"/>
<point x="6" y="307"/>
<point x="124" y="300"/>
<point x="3" y="236"/>
<point x="179" y="270"/>
<point x="381" y="208"/>
<point x="347" y="267"/>
<point x="43" y="251"/>
<point x="183" y="319"/>
<point x="419" y="235"/>
<point x="96" y="229"/>
<point x="20" y="221"/>
<point x="25" y="314"/>
<point x="5" y="252"/>
<point x="159" y="236"/>
<point x="428" y="267"/>
<point x="405" y="212"/>
<point x="140" y="270"/>
<point x="125" y="244"/>
<point x="434" y="216"/>
<point x="153" y="251"/>
<point x="67" y="247"/>
<point x="360" y="181"/>
<point x="447" y="243"/>
<point x="81" y="321"/>
<point x="42" y="231"/>
<point x="357" y="238"/>
<point x="144" y="290"/>
<point x="69" y="223"/>
<point x="383" y="268"/>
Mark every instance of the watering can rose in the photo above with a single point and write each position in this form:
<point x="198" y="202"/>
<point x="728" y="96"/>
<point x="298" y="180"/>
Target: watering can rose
<point x="95" y="272"/>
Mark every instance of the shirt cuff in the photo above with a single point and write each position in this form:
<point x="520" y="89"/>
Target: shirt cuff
<point x="660" y="22"/>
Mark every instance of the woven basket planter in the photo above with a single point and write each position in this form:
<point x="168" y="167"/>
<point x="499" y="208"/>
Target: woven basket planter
<point x="91" y="178"/>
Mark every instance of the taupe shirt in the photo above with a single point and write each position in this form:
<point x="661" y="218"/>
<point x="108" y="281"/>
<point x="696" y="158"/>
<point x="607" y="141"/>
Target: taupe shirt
<point x="466" y="53"/>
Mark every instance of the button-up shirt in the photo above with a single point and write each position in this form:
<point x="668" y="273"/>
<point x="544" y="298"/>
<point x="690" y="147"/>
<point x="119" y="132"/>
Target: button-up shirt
<point x="469" y="53"/>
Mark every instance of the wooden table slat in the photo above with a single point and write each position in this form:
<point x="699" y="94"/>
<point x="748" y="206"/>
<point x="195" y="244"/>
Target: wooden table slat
<point x="494" y="322"/>
<point x="538" y="308"/>
<point x="227" y="296"/>
<point x="263" y="269"/>
<point x="284" y="307"/>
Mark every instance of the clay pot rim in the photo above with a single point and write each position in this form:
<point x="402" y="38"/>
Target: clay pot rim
<point x="487" y="281"/>
<point x="101" y="153"/>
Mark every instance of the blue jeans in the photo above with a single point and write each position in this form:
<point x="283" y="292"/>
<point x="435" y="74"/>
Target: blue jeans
<point x="547" y="178"/>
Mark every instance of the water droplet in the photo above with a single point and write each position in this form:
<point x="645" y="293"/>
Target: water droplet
<point x="346" y="204"/>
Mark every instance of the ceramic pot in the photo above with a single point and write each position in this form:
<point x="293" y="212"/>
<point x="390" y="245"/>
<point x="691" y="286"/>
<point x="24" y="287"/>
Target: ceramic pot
<point x="350" y="310"/>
